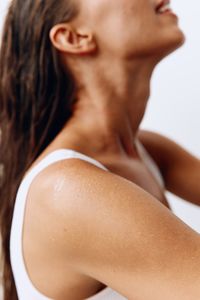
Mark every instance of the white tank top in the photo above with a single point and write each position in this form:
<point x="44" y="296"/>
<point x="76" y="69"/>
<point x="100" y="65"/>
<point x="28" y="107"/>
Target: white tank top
<point x="25" y="288"/>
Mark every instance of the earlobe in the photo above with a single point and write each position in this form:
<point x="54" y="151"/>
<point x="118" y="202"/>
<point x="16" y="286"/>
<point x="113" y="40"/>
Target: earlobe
<point x="66" y="39"/>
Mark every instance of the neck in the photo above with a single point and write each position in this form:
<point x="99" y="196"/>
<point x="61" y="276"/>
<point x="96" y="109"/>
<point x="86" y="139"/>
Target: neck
<point x="109" y="111"/>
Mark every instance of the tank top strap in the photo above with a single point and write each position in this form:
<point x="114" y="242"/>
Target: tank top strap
<point x="16" y="250"/>
<point x="25" y="288"/>
<point x="62" y="154"/>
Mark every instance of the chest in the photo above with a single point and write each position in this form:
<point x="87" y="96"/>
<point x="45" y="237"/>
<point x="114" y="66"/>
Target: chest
<point x="142" y="171"/>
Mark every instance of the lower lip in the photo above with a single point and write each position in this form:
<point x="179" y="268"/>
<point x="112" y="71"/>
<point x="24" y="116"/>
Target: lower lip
<point x="169" y="12"/>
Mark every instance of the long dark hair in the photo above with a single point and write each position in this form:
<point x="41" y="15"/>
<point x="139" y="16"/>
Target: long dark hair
<point x="36" y="96"/>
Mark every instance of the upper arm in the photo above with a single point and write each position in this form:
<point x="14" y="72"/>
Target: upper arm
<point x="180" y="169"/>
<point x="118" y="234"/>
<point x="166" y="152"/>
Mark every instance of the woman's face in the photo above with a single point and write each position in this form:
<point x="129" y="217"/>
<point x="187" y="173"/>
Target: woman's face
<point x="130" y="28"/>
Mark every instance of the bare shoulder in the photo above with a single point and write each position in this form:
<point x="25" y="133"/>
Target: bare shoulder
<point x="120" y="235"/>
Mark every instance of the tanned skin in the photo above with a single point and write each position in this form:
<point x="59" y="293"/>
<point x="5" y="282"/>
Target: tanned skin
<point x="86" y="228"/>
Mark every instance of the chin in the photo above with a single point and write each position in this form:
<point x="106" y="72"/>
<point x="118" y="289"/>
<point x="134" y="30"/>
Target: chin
<point x="170" y="44"/>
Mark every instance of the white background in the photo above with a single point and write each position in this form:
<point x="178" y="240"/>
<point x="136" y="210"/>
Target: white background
<point x="174" y="106"/>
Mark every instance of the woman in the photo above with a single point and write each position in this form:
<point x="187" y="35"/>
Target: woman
<point x="83" y="208"/>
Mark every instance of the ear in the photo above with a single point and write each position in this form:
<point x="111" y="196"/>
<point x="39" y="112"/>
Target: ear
<point x="67" y="39"/>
